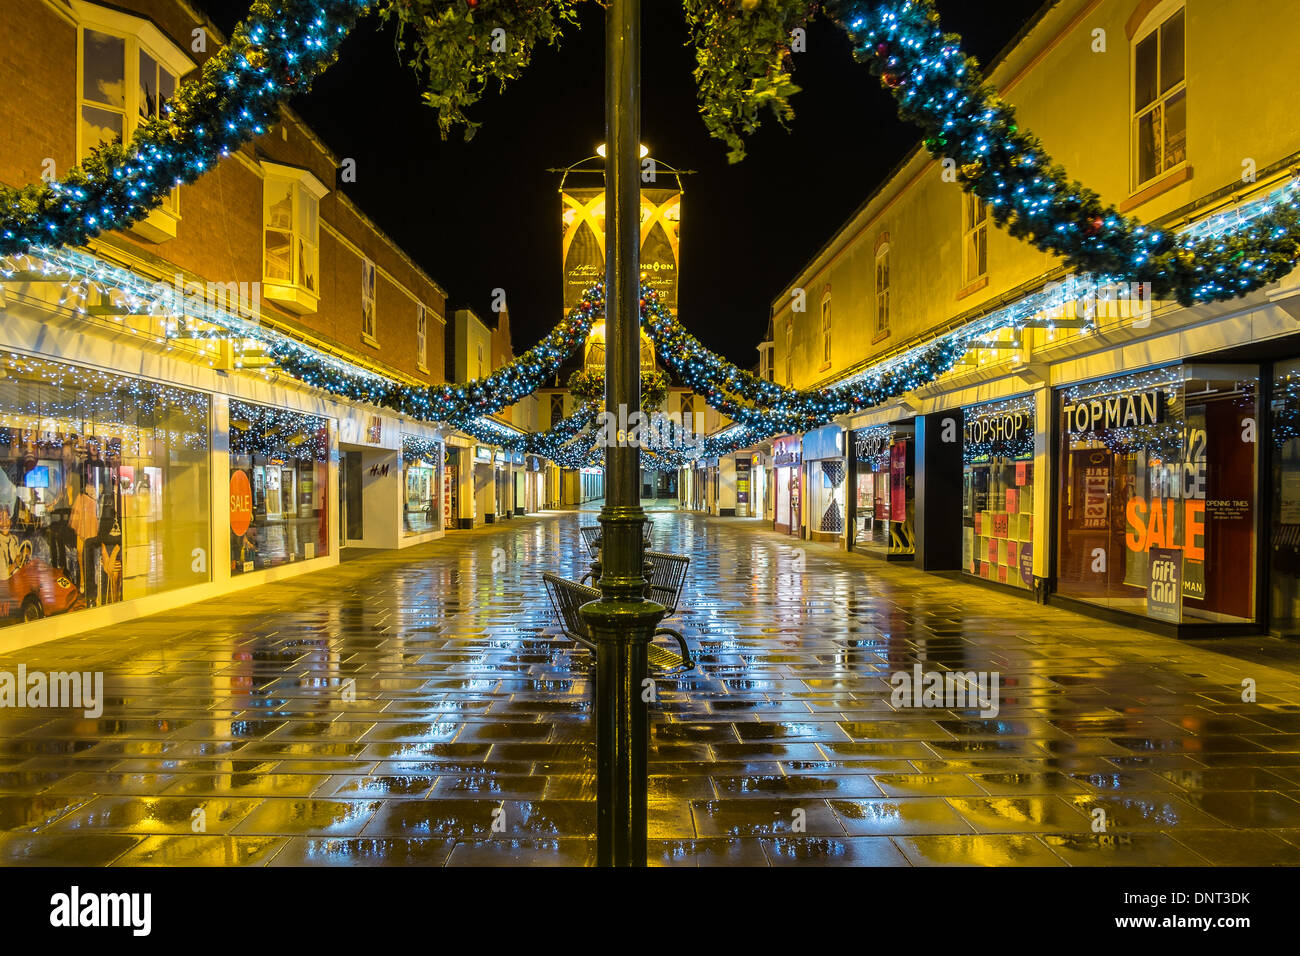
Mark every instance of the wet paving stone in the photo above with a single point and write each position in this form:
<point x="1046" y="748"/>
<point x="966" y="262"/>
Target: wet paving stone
<point x="977" y="850"/>
<point x="467" y="737"/>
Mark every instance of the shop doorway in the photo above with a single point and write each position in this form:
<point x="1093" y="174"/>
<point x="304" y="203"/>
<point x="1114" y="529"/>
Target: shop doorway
<point x="351" y="512"/>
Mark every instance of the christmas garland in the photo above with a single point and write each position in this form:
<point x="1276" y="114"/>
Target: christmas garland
<point x="964" y="119"/>
<point x="458" y="405"/>
<point x="273" y="54"/>
<point x="460" y="46"/>
<point x="589" y="384"/>
<point x="548" y="444"/>
<point x="743" y="62"/>
<point x="758" y="403"/>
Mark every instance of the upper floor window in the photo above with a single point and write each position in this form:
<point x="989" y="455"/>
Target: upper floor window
<point x="422" y="338"/>
<point x="789" y="351"/>
<point x="770" y="363"/>
<point x="128" y="71"/>
<point x="826" y="330"/>
<point x="368" y="300"/>
<point x="1159" y="98"/>
<point x="291" y="236"/>
<point x="882" y="289"/>
<point x="557" y="408"/>
<point x="480" y="360"/>
<point x="975" y="238"/>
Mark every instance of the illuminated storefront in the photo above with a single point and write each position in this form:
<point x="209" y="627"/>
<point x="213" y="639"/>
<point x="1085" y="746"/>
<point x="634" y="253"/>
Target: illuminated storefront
<point x="279" y="477"/>
<point x="883" y="470"/>
<point x="421" y="508"/>
<point x="1157" y="485"/>
<point x="823" y="453"/>
<point x="787" y="469"/>
<point x="998" y="492"/>
<point x="104" y="488"/>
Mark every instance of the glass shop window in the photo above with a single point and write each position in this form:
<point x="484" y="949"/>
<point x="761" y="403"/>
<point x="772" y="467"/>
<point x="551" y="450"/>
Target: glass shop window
<point x="279" y="471"/>
<point x="1157" y="495"/>
<point x="104" y="488"/>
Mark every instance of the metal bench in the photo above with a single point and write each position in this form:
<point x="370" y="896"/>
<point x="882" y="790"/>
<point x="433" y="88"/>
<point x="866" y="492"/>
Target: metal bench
<point x="568" y="596"/>
<point x="591" y="539"/>
<point x="667" y="577"/>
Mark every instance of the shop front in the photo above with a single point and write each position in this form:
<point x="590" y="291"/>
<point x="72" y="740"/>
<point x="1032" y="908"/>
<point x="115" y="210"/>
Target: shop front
<point x="745" y="505"/>
<point x="451" y="472"/>
<point x="104" y="488"/>
<point x="998" y="492"/>
<point x="484" y="488"/>
<point x="787" y="469"/>
<point x="519" y="483"/>
<point x="279" y="476"/>
<point x="823" y="455"/>
<point x="422" y="509"/>
<point x="1156" y="494"/>
<point x="883" y="491"/>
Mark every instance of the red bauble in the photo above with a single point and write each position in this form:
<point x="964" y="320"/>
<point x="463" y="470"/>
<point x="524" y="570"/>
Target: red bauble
<point x="1094" y="225"/>
<point x="892" y="80"/>
<point x="882" y="49"/>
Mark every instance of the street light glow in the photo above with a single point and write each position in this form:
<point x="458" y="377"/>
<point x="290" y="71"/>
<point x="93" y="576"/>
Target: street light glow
<point x="600" y="150"/>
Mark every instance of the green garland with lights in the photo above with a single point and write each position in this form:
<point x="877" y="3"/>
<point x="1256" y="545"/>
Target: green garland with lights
<point x="280" y="47"/>
<point x="272" y="55"/>
<point x="589" y="384"/>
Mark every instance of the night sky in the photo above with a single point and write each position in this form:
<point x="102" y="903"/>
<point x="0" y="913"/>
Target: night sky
<point x="486" y="214"/>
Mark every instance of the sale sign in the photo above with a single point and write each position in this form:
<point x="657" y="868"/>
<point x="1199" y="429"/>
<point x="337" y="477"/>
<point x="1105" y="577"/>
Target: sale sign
<point x="241" y="502"/>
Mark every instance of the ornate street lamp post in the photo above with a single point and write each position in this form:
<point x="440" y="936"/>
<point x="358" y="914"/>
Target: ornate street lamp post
<point x="622" y="621"/>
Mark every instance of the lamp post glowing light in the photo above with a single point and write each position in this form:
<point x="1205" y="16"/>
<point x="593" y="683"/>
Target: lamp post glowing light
<point x="600" y="150"/>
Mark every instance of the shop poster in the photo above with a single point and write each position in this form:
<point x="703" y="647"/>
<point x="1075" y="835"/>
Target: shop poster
<point x="1165" y="585"/>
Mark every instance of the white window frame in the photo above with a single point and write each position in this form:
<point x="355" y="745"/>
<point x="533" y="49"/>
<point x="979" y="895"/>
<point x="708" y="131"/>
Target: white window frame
<point x="1153" y="25"/>
<point x="826" y="330"/>
<point x="789" y="352"/>
<point x="422" y="338"/>
<point x="883" y="283"/>
<point x="138" y="35"/>
<point x="974" y="238"/>
<point x="293" y="292"/>
<point x="369" y="293"/>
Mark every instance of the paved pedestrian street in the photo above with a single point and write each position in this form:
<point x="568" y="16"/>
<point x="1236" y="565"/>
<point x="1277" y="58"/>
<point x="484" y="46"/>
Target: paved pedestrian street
<point x="416" y="707"/>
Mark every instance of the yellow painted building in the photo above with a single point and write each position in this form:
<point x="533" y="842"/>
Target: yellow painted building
<point x="1177" y="512"/>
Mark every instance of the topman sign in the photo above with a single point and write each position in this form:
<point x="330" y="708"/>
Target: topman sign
<point x="1116" y="411"/>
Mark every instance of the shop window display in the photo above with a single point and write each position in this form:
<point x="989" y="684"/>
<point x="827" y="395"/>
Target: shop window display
<point x="1285" y="484"/>
<point x="883" y="489"/>
<point x="826" y="479"/>
<point x="420" y="461"/>
<point x="279" y="477"/>
<point x="1157" y="497"/>
<point x="104" y="488"/>
<point x="998" y="492"/>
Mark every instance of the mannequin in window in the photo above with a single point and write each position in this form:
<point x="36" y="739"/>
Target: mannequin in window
<point x="13" y="553"/>
<point x="84" y="522"/>
<point x="109" y="539"/>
